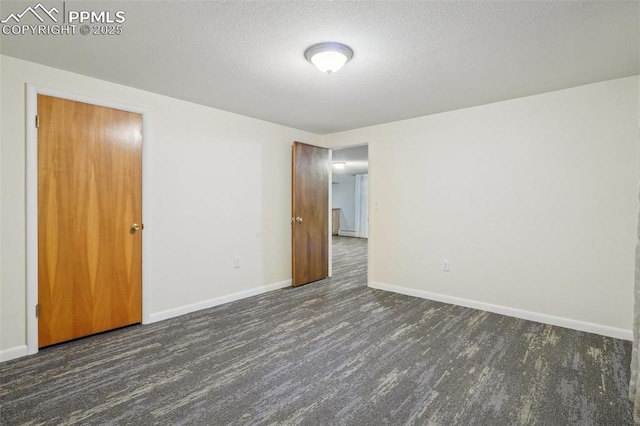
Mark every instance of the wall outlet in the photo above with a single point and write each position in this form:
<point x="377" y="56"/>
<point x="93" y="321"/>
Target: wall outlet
<point x="445" y="265"/>
<point x="236" y="262"/>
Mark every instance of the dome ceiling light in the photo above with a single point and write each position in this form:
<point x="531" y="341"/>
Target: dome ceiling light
<point x="328" y="57"/>
<point x="339" y="164"/>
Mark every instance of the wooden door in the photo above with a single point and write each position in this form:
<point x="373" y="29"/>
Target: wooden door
<point x="310" y="211"/>
<point x="89" y="196"/>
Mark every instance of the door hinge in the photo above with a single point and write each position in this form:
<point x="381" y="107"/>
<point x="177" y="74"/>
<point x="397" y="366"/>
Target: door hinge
<point x="37" y="121"/>
<point x="37" y="310"/>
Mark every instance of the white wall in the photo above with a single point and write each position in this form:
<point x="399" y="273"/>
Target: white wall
<point x="343" y="196"/>
<point x="533" y="200"/>
<point x="219" y="186"/>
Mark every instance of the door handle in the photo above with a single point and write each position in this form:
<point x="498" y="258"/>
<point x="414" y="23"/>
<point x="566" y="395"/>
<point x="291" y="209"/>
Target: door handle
<point x="299" y="219"/>
<point x="135" y="228"/>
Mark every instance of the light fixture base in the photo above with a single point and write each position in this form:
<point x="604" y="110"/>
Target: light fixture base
<point x="329" y="57"/>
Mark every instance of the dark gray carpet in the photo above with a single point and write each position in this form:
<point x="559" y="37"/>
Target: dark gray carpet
<point x="332" y="352"/>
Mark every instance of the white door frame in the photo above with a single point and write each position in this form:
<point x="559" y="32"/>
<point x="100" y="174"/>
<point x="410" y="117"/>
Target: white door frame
<point x="32" y="92"/>
<point x="330" y="216"/>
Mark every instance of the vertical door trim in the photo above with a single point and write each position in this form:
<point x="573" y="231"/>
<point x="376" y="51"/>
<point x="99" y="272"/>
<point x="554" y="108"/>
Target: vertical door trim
<point x="31" y="110"/>
<point x="330" y="215"/>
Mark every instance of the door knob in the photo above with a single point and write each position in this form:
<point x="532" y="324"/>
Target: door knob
<point x="134" y="228"/>
<point x="299" y="219"/>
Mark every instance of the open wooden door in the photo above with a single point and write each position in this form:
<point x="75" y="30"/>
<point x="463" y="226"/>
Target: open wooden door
<point x="89" y="219"/>
<point x="310" y="211"/>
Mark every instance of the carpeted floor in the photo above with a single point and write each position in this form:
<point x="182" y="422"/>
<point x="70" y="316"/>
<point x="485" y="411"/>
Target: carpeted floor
<point x="333" y="352"/>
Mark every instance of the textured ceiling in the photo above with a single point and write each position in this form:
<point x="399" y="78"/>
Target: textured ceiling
<point x="411" y="58"/>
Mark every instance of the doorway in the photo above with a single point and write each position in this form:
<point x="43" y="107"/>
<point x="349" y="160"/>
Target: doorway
<point x="313" y="183"/>
<point x="349" y="198"/>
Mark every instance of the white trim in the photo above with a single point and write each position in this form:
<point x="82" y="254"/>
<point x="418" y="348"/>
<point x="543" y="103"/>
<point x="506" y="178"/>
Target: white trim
<point x="330" y="215"/>
<point x="147" y="219"/>
<point x="604" y="330"/>
<point x="371" y="213"/>
<point x="347" y="233"/>
<point x="31" y="218"/>
<point x="13" y="353"/>
<point x="32" y="92"/>
<point x="205" y="304"/>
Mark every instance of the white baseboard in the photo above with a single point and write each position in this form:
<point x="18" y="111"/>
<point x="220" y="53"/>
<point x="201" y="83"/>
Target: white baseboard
<point x="353" y="234"/>
<point x="13" y="353"/>
<point x="20" y="351"/>
<point x="205" y="304"/>
<point x="604" y="330"/>
<point x="277" y="286"/>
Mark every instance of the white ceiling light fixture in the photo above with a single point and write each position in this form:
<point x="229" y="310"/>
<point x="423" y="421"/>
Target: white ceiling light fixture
<point x="339" y="164"/>
<point x="328" y="57"/>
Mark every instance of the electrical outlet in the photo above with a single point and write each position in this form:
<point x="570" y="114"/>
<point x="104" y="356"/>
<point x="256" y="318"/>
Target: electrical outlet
<point x="445" y="265"/>
<point x="236" y="262"/>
